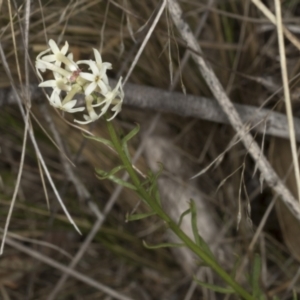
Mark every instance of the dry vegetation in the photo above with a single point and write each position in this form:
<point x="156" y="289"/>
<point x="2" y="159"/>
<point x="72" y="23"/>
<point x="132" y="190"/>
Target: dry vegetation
<point x="241" y="45"/>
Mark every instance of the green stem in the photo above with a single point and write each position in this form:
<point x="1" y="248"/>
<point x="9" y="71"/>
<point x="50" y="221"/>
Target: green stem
<point x="174" y="227"/>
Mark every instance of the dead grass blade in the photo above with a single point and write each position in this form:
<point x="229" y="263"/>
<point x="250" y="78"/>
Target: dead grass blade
<point x="13" y="200"/>
<point x="147" y="37"/>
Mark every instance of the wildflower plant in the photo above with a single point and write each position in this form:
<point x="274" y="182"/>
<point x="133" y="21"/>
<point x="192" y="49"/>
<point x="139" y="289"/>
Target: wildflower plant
<point x="69" y="81"/>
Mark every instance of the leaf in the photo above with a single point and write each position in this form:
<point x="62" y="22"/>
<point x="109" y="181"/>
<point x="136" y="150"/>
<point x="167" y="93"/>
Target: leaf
<point x="157" y="196"/>
<point x="105" y="175"/>
<point x="101" y="140"/>
<point x="295" y="295"/>
<point x="163" y="245"/>
<point x="256" y="291"/>
<point x="198" y="239"/>
<point x="136" y="217"/>
<point x="130" y="135"/>
<point x="122" y="182"/>
<point x="215" y="288"/>
<point x="183" y="215"/>
<point x="125" y="149"/>
<point x="194" y="222"/>
<point x="152" y="179"/>
<point x="110" y="176"/>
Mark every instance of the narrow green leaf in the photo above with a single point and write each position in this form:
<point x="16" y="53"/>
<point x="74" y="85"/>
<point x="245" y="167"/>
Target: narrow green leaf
<point x="105" y="175"/>
<point x="157" y="196"/>
<point x="161" y="168"/>
<point x="101" y="140"/>
<point x="256" y="291"/>
<point x="163" y="245"/>
<point x="193" y="210"/>
<point x="125" y="149"/>
<point x="122" y="182"/>
<point x="136" y="217"/>
<point x="215" y="288"/>
<point x="130" y="135"/>
<point x="295" y="297"/>
<point x="198" y="239"/>
<point x="206" y="248"/>
<point x="183" y="215"/>
<point x="119" y="181"/>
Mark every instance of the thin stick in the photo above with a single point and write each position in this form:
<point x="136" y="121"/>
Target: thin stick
<point x="147" y="37"/>
<point x="16" y="189"/>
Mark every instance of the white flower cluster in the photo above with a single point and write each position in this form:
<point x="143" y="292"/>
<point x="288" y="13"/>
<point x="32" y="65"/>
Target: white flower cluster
<point x="69" y="80"/>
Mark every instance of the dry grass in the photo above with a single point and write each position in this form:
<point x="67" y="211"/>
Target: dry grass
<point x="241" y="45"/>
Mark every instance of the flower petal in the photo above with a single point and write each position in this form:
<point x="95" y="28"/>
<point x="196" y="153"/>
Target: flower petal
<point x="53" y="46"/>
<point x="94" y="68"/>
<point x="48" y="83"/>
<point x="91" y="87"/>
<point x="103" y="87"/>
<point x="97" y="56"/>
<point x="65" y="48"/>
<point x="49" y="58"/>
<point x="70" y="104"/>
<point x="107" y="65"/>
<point x="87" y="76"/>
<point x="69" y="107"/>
<point x="83" y="122"/>
<point x="87" y="62"/>
<point x="54" y="99"/>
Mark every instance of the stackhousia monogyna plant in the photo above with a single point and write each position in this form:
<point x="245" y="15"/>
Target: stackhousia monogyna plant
<point x="89" y="77"/>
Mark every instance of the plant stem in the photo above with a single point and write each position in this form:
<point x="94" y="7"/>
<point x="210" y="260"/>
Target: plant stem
<point x="174" y="227"/>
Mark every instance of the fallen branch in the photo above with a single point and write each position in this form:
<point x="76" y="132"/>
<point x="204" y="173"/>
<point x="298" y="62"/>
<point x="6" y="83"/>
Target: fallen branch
<point x="260" y="119"/>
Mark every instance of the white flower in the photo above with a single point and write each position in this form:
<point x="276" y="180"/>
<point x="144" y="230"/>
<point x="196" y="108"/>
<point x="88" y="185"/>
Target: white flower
<point x="59" y="83"/>
<point x="40" y="66"/>
<point x="98" y="61"/>
<point x="59" y="56"/>
<point x="43" y="65"/>
<point x="53" y="61"/>
<point x="55" y="101"/>
<point x="114" y="97"/>
<point x="99" y="80"/>
<point x="68" y="78"/>
<point x="90" y="109"/>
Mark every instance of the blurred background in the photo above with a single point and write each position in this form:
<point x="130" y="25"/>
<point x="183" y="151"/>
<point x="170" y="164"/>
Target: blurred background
<point x="241" y="46"/>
